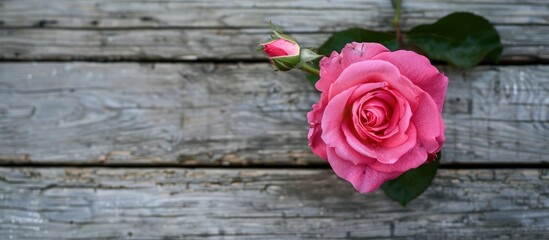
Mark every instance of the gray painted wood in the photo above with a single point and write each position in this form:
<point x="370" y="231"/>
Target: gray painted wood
<point x="236" y="114"/>
<point x="302" y="15"/>
<point x="521" y="43"/>
<point x="96" y="203"/>
<point x="244" y="114"/>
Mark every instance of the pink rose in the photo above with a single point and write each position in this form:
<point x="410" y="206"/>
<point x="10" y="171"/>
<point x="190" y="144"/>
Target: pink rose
<point x="283" y="53"/>
<point x="379" y="114"/>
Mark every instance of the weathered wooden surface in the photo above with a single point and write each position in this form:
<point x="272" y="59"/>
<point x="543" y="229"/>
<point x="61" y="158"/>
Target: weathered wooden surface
<point x="95" y="203"/>
<point x="210" y="30"/>
<point x="195" y="112"/>
<point x="302" y="15"/>
<point x="521" y="43"/>
<point x="236" y="114"/>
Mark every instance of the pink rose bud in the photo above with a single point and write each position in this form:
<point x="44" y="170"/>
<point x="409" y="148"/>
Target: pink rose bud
<point x="282" y="53"/>
<point x="280" y="47"/>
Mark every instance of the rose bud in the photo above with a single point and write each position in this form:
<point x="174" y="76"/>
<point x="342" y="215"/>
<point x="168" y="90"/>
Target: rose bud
<point x="282" y="52"/>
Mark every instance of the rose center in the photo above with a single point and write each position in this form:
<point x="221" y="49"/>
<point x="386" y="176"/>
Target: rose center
<point x="373" y="115"/>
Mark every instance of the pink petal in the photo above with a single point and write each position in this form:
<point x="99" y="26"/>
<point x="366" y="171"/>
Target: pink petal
<point x="333" y="117"/>
<point x="332" y="122"/>
<point x="419" y="70"/>
<point x="357" y="52"/>
<point x="314" y="117"/>
<point x="316" y="143"/>
<point x="429" y="124"/>
<point x="331" y="67"/>
<point x="363" y="178"/>
<point x="383" y="154"/>
<point x="371" y="71"/>
<point x="410" y="160"/>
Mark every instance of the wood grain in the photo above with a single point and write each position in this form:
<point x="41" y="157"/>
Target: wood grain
<point x="302" y="15"/>
<point x="521" y="44"/>
<point x="195" y="112"/>
<point x="96" y="203"/>
<point x="236" y="114"/>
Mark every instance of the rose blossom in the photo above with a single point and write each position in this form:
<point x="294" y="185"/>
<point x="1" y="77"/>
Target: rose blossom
<point x="379" y="113"/>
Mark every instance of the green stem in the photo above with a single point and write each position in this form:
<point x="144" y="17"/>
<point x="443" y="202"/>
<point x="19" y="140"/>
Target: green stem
<point x="396" y="21"/>
<point x="310" y="69"/>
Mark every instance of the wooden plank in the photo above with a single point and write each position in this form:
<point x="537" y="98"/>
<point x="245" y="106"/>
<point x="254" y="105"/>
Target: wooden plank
<point x="143" y="113"/>
<point x="96" y="203"/>
<point x="508" y="114"/>
<point x="302" y="15"/>
<point x="236" y="114"/>
<point x="521" y="43"/>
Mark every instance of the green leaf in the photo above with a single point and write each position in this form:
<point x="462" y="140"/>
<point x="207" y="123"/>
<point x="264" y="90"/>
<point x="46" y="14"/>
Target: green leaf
<point x="339" y="39"/>
<point x="411" y="184"/>
<point x="285" y="63"/>
<point x="462" y="39"/>
<point x="308" y="55"/>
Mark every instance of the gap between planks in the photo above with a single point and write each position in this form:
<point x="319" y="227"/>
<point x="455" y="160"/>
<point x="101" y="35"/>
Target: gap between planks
<point x="311" y="166"/>
<point x="523" y="62"/>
